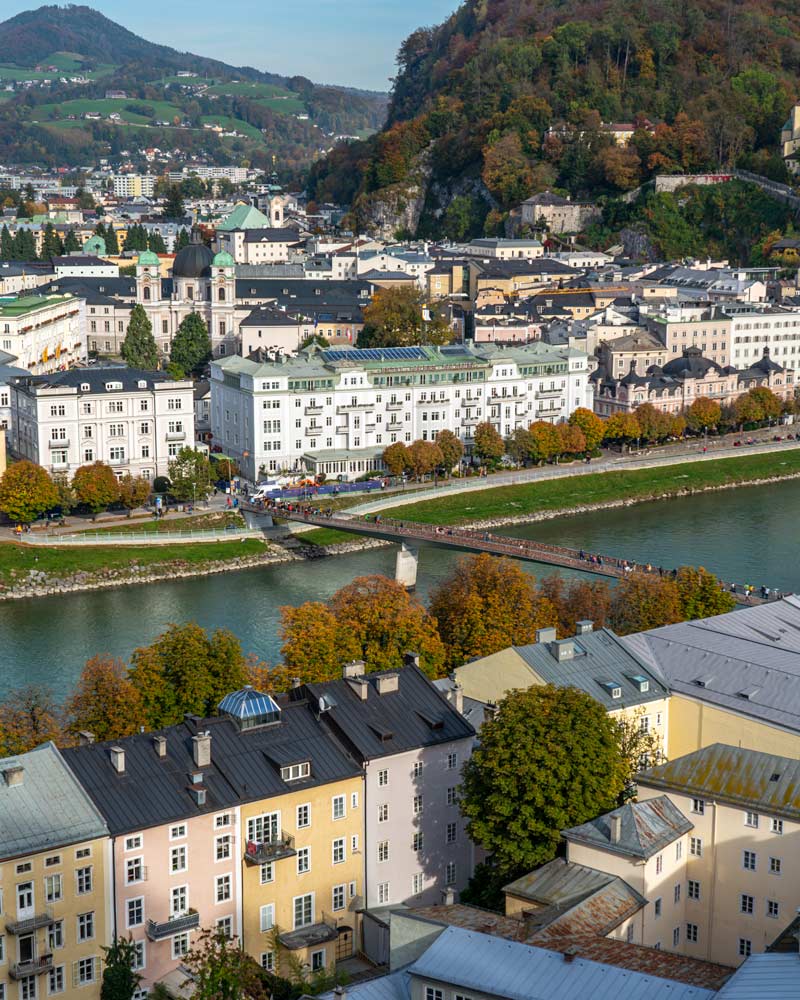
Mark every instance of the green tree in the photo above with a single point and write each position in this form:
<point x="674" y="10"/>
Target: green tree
<point x="452" y="449"/>
<point x="173" y="205"/>
<point x="396" y="458"/>
<point x="488" y="446"/>
<point x="51" y="243"/>
<point x="26" y="491"/>
<point x="7" y="249"/>
<point x="139" y="347"/>
<point x="701" y="595"/>
<point x="112" y="242"/>
<point x="219" y="969"/>
<point x="71" y="244"/>
<point x="95" y="487"/>
<point x="183" y="239"/>
<point x="400" y="317"/>
<point x="155" y="242"/>
<point x="119" y="978"/>
<point x="191" y="348"/>
<point x="548" y="760"/>
<point x="190" y="475"/>
<point x="703" y="414"/>
<point x="133" y="491"/>
<point x="593" y="427"/>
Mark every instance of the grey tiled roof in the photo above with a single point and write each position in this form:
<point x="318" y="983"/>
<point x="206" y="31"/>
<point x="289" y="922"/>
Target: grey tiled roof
<point x="48" y="809"/>
<point x="646" y="828"/>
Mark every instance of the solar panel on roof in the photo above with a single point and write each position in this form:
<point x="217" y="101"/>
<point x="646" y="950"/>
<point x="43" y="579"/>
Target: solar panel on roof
<point x="376" y="354"/>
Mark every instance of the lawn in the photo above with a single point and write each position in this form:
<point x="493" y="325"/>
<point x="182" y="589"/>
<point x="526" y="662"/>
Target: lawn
<point x="16" y="560"/>
<point x="162" y="110"/>
<point x="233" y="123"/>
<point x="325" y="536"/>
<point x="563" y="494"/>
<point x="167" y="525"/>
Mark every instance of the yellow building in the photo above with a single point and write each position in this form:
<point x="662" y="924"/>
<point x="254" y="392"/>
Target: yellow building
<point x="595" y="661"/>
<point x="55" y="895"/>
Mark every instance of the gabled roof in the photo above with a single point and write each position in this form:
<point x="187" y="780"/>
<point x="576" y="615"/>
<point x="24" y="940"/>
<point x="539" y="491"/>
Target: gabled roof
<point x="764" y="977"/>
<point x="244" y="217"/>
<point x="645" y="828"/>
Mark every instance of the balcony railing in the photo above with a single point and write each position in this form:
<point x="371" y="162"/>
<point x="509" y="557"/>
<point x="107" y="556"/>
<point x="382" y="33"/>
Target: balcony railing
<point x="33" y="967"/>
<point x="350" y="407"/>
<point x="175" y="925"/>
<point x="548" y="393"/>
<point x="58" y="443"/>
<point x="313" y="431"/>
<point x="313" y="411"/>
<point x="270" y="850"/>
<point x="27" y="924"/>
<point x="394" y="406"/>
<point x="176" y="435"/>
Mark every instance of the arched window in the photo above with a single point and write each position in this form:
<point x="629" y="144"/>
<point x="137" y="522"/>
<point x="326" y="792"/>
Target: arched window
<point x="146" y="294"/>
<point x="222" y="294"/>
<point x="189" y="292"/>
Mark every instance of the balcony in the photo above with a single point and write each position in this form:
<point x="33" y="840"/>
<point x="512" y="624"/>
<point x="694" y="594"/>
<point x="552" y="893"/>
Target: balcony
<point x="176" y="435"/>
<point x="394" y="425"/>
<point x="34" y="967"/>
<point x="394" y="406"/>
<point x="548" y="393"/>
<point x="27" y="924"/>
<point x="354" y="407"/>
<point x="175" y="925"/>
<point x="313" y="411"/>
<point x="313" y="431"/>
<point x="370" y="428"/>
<point x="270" y="850"/>
<point x="342" y="430"/>
<point x="59" y="466"/>
<point x="310" y="935"/>
<point x="58" y="443"/>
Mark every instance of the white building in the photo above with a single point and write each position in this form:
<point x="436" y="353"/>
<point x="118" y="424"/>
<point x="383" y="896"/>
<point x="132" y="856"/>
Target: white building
<point x="134" y="185"/>
<point x="334" y="411"/>
<point x="84" y="266"/>
<point x="135" y="421"/>
<point x="45" y="333"/>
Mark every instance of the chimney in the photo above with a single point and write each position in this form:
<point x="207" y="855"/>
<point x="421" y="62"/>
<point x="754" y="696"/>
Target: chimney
<point x="85" y="738"/>
<point x="564" y="650"/>
<point x="198" y="793"/>
<point x="456" y="698"/>
<point x="584" y="626"/>
<point x="570" y="953"/>
<point x="296" y="682"/>
<point x="355" y="668"/>
<point x="160" y="746"/>
<point x="201" y="749"/>
<point x="490" y="711"/>
<point x="360" y="685"/>
<point x="448" y="896"/>
<point x="14" y="775"/>
<point x="616" y="827"/>
<point x="387" y="683"/>
<point x="118" y="759"/>
<point x="546" y="634"/>
<point x="410" y="659"/>
<point x="191" y="720"/>
<point x="340" y="993"/>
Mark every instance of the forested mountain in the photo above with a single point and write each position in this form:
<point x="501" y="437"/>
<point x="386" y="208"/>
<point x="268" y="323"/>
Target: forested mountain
<point x="507" y="97"/>
<point x="61" y="61"/>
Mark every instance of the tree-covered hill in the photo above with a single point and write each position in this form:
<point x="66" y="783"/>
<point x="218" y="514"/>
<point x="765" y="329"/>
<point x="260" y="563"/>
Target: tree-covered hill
<point x="507" y="97"/>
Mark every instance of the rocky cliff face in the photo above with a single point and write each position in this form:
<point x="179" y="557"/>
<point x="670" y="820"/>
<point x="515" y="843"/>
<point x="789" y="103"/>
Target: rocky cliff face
<point x="397" y="208"/>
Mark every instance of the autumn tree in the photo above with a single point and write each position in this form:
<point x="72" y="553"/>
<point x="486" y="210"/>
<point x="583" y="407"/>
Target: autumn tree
<point x="120" y="980"/>
<point x="757" y="405"/>
<point x="139" y="346"/>
<point x="26" y="491"/>
<point x="396" y="458"/>
<point x="488" y="446"/>
<point x="576" y="600"/>
<point x="451" y="447"/>
<point x="186" y="670"/>
<point x="486" y="605"/>
<point x="621" y="166"/>
<point x="640" y="745"/>
<point x="95" y="487"/>
<point x="643" y="601"/>
<point x="133" y="491"/>
<point x="190" y="475"/>
<point x="593" y="427"/>
<point x="315" y="645"/>
<point x="704" y="414"/>
<point x="571" y="439"/>
<point x="104" y="701"/>
<point x="701" y="595"/>
<point x="28" y="717"/>
<point x="424" y="457"/>
<point x="519" y="445"/>
<point x="623" y="428"/>
<point x="545" y="441"/>
<point x="191" y="347"/>
<point x="400" y="317"/>
<point x="654" y="425"/>
<point x="548" y="760"/>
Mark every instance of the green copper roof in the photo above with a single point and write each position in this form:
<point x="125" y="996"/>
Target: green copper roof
<point x="244" y="217"/>
<point x="148" y="259"/>
<point x="95" y="245"/>
<point x="223" y="259"/>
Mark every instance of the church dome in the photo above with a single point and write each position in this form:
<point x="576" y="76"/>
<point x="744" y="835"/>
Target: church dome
<point x="193" y="261"/>
<point x="148" y="259"/>
<point x="223" y="259"/>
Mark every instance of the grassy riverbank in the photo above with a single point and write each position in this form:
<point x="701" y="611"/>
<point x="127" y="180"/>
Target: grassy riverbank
<point x="208" y="521"/>
<point x="17" y="561"/>
<point x="576" y="492"/>
<point x="325" y="536"/>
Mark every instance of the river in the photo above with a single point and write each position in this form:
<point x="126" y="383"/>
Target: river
<point x="748" y="535"/>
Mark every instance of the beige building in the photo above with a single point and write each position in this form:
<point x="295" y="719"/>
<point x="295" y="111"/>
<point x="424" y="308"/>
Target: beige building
<point x="790" y="139"/>
<point x="639" y="347"/>
<point x="557" y="214"/>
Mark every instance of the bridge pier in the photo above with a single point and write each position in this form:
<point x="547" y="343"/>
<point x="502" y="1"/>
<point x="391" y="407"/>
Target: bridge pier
<point x="405" y="571"/>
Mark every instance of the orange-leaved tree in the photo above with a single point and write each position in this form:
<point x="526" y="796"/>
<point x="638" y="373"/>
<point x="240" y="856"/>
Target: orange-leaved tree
<point x="104" y="702"/>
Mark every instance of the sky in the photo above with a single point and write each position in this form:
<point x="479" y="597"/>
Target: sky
<point x="350" y="42"/>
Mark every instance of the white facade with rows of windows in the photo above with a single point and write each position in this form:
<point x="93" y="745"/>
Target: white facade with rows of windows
<point x="135" y="421"/>
<point x="44" y="333"/>
<point x="334" y="411"/>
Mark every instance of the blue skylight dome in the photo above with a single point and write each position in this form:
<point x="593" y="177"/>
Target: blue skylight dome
<point x="250" y="708"/>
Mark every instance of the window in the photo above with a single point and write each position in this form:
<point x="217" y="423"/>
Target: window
<point x="338" y="851"/>
<point x="351" y="889"/>
<point x="749" y="860"/>
<point x="54" y="859"/>
<point x="417" y="805"/>
<point x="452" y="761"/>
<point x="691" y="933"/>
<point x="177" y="832"/>
<point x="745" y="947"/>
<point x="676" y="892"/>
<point x="267" y="917"/>
<point x="451" y="796"/>
<point x="777" y="826"/>
<point x="135" y="912"/>
<point x="180" y="945"/>
<point x="177" y="859"/>
<point x="303" y="860"/>
<point x="116" y="454"/>
<point x="86" y="926"/>
<point x="383" y="812"/>
<point x="383" y="778"/>
<point x="317" y="961"/>
<point x="303" y="910"/>
<point x="383" y="850"/>
<point x="696" y="846"/>
<point x="55" y="980"/>
<point x="417" y="768"/>
<point x="296" y="771"/>
<point x="263" y="829"/>
<point x="338" y="897"/>
<point x="433" y="994"/>
<point x="751" y="819"/>
<point x="53" y="888"/>
<point x="225" y="925"/>
<point x="55" y="935"/>
<point x="222" y="847"/>
<point x="133" y="843"/>
<point x="86" y="971"/>
<point x="416" y="843"/>
<point x="657" y="907"/>
<point x="678" y="850"/>
<point x="659" y="863"/>
<point x="629" y="933"/>
<point x="134" y="870"/>
<point x="417" y="884"/>
<point x="139" y="959"/>
<point x="693" y="889"/>
<point x="267" y="873"/>
<point x="451" y="833"/>
<point x="774" y="866"/>
<point x="224" y="819"/>
<point x="179" y="901"/>
<point x="746" y="903"/>
<point x="223" y="888"/>
<point x="303" y="816"/>
<point x="676" y="936"/>
<point x="83" y="880"/>
<point x="383" y="892"/>
<point x="773" y="908"/>
<point x="338" y="806"/>
<point x="450" y="873"/>
<point x="174" y="403"/>
<point x="354" y="800"/>
<point x="699" y="806"/>
<point x="354" y="844"/>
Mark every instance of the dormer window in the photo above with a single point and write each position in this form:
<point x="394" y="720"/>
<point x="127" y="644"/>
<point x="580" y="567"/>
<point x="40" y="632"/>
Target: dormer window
<point x="612" y="688"/>
<point x="294" y="772"/>
<point x="142" y="383"/>
<point x="111" y="386"/>
<point x="85" y="387"/>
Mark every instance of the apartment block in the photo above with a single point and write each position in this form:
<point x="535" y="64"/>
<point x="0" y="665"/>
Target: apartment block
<point x="45" y="333"/>
<point x="55" y="881"/>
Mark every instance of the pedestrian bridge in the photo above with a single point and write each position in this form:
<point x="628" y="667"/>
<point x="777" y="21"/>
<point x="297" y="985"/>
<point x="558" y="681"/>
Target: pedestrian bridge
<point x="410" y="535"/>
